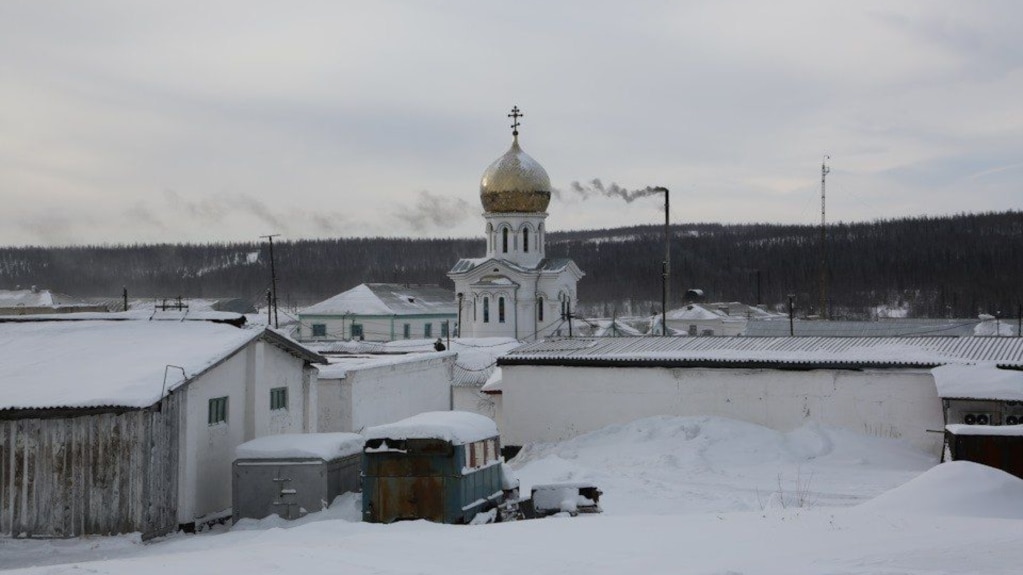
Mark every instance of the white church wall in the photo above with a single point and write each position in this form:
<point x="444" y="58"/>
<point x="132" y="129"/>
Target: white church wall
<point x="375" y="395"/>
<point x="549" y="403"/>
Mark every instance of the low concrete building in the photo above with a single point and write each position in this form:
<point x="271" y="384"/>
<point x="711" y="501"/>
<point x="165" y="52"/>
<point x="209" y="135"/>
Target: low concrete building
<point x="558" y="389"/>
<point x="360" y="391"/>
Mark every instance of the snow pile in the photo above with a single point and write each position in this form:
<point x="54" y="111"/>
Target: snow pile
<point x="960" y="488"/>
<point x="325" y="446"/>
<point x="458" y="427"/>
<point x="665" y="465"/>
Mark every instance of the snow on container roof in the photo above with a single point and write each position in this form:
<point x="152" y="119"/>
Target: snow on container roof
<point x="983" y="381"/>
<point x="339" y="367"/>
<point x="78" y="364"/>
<point x="325" y="446"/>
<point x="1001" y="430"/>
<point x="458" y="427"/>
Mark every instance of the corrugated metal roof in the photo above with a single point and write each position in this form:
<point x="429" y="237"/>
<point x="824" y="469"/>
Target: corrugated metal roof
<point x="802" y="351"/>
<point x="904" y="327"/>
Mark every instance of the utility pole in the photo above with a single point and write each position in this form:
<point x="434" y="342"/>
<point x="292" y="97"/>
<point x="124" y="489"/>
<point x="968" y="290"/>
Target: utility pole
<point x="792" y="329"/>
<point x="825" y="170"/>
<point x="124" y="293"/>
<point x="273" y="281"/>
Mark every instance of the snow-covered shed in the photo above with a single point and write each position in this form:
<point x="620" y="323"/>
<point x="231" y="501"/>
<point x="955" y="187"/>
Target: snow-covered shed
<point x="292" y="474"/>
<point x="381" y="312"/>
<point x="131" y="426"/>
<point x="557" y="389"/>
<point x="359" y="391"/>
<point x="980" y="394"/>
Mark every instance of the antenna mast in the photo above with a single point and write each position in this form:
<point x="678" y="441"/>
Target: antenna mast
<point x="825" y="170"/>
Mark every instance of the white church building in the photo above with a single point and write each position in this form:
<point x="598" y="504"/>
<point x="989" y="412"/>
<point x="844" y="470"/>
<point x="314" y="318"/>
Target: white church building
<point x="515" y="290"/>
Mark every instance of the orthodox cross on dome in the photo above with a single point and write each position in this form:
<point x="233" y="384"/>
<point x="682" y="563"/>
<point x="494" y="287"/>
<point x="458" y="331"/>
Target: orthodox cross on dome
<point x="515" y="115"/>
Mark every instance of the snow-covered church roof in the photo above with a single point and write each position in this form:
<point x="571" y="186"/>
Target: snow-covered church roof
<point x="388" y="299"/>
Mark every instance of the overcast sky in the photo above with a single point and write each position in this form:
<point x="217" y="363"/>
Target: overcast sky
<point x="219" y="121"/>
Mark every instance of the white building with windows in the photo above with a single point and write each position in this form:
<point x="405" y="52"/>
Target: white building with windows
<point x="381" y="312"/>
<point x="515" y="290"/>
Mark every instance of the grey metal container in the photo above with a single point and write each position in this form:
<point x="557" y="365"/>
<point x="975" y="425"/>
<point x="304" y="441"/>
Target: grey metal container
<point x="291" y="476"/>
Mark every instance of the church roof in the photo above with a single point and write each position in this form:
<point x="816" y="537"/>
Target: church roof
<point x="515" y="182"/>
<point x="546" y="265"/>
<point x="388" y="299"/>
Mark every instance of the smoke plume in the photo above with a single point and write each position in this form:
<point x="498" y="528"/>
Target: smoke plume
<point x="430" y="210"/>
<point x="597" y="188"/>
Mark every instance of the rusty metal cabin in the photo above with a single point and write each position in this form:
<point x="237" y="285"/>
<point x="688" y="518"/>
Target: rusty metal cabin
<point x="439" y="466"/>
<point x="292" y="474"/>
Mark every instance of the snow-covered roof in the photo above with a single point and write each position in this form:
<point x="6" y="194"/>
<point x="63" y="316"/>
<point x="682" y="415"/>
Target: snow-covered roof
<point x="75" y="364"/>
<point x="457" y="427"/>
<point x="753" y="351"/>
<point x="493" y="383"/>
<point x="135" y="314"/>
<point x="339" y="366"/>
<point x="388" y="299"/>
<point x="325" y="446"/>
<point x="546" y="265"/>
<point x="984" y="381"/>
<point x="37" y="298"/>
<point x="695" y="312"/>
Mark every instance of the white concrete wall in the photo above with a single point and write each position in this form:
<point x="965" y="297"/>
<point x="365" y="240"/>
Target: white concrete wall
<point x="543" y="403"/>
<point x="470" y="399"/>
<point x="375" y="395"/>
<point x="207" y="451"/>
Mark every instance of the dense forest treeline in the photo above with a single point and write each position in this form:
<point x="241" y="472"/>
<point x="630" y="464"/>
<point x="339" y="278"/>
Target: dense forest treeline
<point x="936" y="266"/>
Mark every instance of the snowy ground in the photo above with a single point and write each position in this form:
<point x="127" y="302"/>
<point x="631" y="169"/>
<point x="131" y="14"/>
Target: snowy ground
<point x="681" y="495"/>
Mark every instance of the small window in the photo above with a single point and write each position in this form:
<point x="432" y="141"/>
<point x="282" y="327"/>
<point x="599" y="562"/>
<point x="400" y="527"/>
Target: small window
<point x="444" y="329"/>
<point x="486" y="310"/>
<point x="500" y="309"/>
<point x="319" y="330"/>
<point x="406" y="331"/>
<point x="357" y="331"/>
<point x="279" y="398"/>
<point x="504" y="240"/>
<point x="218" y="411"/>
<point x="428" y="330"/>
<point x="525" y="240"/>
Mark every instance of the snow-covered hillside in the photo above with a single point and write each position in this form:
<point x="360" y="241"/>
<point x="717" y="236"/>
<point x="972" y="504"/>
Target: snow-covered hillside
<point x="681" y="495"/>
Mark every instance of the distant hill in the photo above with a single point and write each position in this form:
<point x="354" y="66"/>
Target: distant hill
<point x="935" y="266"/>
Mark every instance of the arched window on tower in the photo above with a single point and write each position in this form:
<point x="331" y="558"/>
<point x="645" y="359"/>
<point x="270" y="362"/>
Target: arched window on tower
<point x="486" y="310"/>
<point x="504" y="240"/>
<point x="500" y="310"/>
<point x="539" y="308"/>
<point x="525" y="240"/>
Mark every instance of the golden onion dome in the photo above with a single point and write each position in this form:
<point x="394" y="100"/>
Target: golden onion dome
<point x="515" y="182"/>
